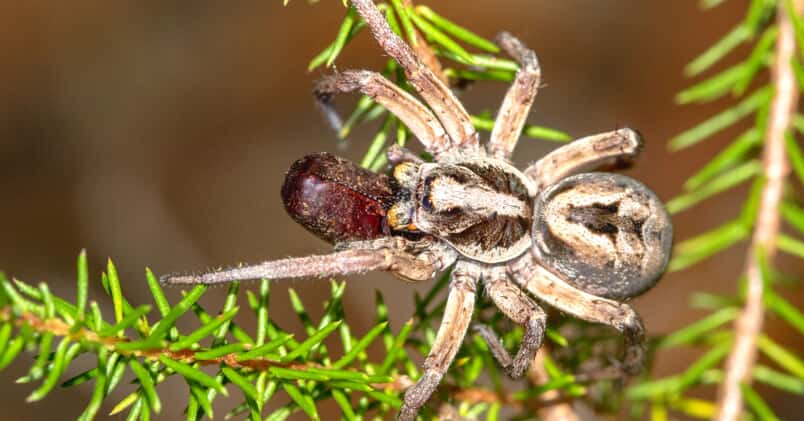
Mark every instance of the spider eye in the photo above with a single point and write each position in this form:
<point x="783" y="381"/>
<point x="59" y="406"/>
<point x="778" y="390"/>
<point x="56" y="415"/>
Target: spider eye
<point x="606" y="233"/>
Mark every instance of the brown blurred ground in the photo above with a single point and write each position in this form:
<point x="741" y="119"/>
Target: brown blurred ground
<point x="158" y="133"/>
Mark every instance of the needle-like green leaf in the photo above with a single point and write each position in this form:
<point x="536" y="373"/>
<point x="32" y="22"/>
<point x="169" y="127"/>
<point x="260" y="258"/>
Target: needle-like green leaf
<point x="82" y="285"/>
<point x="360" y="346"/>
<point x="696" y="249"/>
<point x="715" y="86"/>
<point x="304" y="402"/>
<point x="203" y="331"/>
<point x="313" y="340"/>
<point x="115" y="291"/>
<point x="456" y="30"/>
<point x="722" y="120"/>
<point x="696" y="330"/>
<point x="537" y="132"/>
<point x="343" y="35"/>
<point x="737" y="36"/>
<point x="193" y="373"/>
<point x="757" y="404"/>
<point x="727" y="158"/>
<point x="720" y="183"/>
<point x="796" y="156"/>
<point x="185" y="304"/>
<point x="146" y="384"/>
<point x="243" y="383"/>
<point x="786" y="359"/>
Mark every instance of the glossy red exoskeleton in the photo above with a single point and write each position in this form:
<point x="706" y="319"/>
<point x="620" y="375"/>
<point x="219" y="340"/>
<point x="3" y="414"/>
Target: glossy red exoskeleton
<point x="336" y="199"/>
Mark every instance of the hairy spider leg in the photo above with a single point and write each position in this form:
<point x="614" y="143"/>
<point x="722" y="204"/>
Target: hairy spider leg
<point x="457" y="316"/>
<point x="552" y="290"/>
<point x="397" y="154"/>
<point x="521" y="309"/>
<point x="617" y="149"/>
<point x="436" y="94"/>
<point x="416" y="116"/>
<point x="386" y="254"/>
<point x="518" y="100"/>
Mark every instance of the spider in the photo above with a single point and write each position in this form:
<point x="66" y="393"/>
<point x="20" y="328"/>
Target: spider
<point x="582" y="242"/>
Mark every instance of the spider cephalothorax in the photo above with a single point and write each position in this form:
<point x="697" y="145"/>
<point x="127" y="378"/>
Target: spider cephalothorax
<point x="579" y="241"/>
<point x="481" y="207"/>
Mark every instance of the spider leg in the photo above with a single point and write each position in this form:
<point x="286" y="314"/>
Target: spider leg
<point x="457" y="315"/>
<point x="397" y="154"/>
<point x="435" y="93"/>
<point x="516" y="105"/>
<point x="556" y="292"/>
<point x="384" y="254"/>
<point x="617" y="148"/>
<point x="520" y="308"/>
<point x="416" y="116"/>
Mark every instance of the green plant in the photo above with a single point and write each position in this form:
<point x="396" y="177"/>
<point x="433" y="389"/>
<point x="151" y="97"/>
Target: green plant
<point x="760" y="155"/>
<point x="295" y="373"/>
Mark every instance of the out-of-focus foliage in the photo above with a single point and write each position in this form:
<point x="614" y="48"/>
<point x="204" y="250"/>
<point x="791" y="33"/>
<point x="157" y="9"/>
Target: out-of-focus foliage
<point x="736" y="164"/>
<point x="331" y="362"/>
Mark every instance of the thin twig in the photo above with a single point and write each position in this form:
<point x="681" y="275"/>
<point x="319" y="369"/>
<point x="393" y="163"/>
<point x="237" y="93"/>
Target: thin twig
<point x="116" y="344"/>
<point x="749" y="325"/>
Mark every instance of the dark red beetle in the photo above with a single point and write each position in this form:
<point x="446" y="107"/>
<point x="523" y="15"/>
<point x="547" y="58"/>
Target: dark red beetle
<point x="336" y="199"/>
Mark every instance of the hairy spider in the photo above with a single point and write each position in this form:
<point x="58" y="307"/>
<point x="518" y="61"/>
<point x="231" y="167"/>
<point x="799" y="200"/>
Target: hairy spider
<point x="581" y="242"/>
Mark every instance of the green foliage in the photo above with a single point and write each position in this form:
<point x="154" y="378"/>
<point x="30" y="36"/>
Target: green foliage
<point x="736" y="164"/>
<point x="331" y="362"/>
<point x="218" y="356"/>
<point x="445" y="39"/>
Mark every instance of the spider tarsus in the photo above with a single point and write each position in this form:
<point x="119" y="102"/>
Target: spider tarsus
<point x="418" y="394"/>
<point x="172" y="279"/>
<point x="512" y="46"/>
<point x="325" y="88"/>
<point x="495" y="345"/>
<point x="514" y="367"/>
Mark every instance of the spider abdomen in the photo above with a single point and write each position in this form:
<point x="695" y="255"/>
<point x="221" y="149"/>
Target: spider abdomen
<point x="336" y="199"/>
<point x="605" y="233"/>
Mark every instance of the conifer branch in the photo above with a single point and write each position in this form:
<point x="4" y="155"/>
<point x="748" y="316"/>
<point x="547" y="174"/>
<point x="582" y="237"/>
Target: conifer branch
<point x="748" y="325"/>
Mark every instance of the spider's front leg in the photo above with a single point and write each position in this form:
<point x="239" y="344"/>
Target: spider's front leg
<point x="436" y="94"/>
<point x="386" y="254"/>
<point x="617" y="148"/>
<point x="556" y="292"/>
<point x="421" y="122"/>
<point x="516" y="105"/>
<point x="520" y="308"/>
<point x="457" y="315"/>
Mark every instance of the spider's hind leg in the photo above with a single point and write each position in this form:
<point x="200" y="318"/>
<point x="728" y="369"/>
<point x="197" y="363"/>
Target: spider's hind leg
<point x="559" y="294"/>
<point x="520" y="308"/>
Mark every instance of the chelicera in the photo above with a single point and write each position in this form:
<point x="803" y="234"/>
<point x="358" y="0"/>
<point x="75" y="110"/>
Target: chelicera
<point x="579" y="241"/>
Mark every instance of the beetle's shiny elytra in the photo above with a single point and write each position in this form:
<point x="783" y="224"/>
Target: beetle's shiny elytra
<point x="336" y="199"/>
<point x="607" y="233"/>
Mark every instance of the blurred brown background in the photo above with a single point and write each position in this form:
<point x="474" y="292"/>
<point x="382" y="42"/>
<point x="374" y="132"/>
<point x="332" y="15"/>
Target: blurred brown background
<point x="158" y="133"/>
